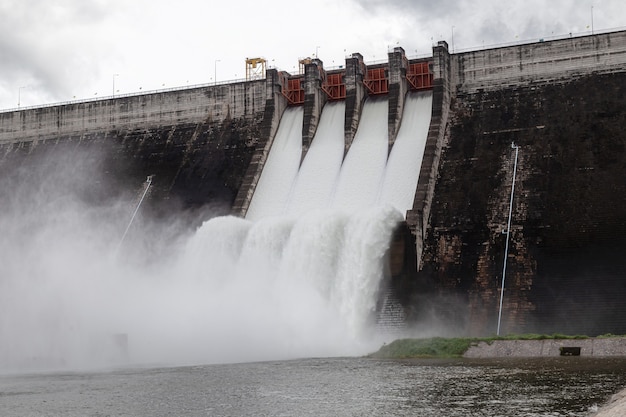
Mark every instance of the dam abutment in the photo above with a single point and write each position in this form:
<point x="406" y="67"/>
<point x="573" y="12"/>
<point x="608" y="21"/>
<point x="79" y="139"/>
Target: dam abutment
<point x="418" y="218"/>
<point x="563" y="103"/>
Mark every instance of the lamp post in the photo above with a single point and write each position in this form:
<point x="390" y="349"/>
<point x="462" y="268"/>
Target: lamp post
<point x="452" y="39"/>
<point x="508" y="232"/>
<point x="114" y="75"/>
<point x="19" y="95"/>
<point x="215" y="70"/>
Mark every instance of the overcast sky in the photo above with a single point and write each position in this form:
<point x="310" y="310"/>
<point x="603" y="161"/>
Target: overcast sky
<point x="59" y="50"/>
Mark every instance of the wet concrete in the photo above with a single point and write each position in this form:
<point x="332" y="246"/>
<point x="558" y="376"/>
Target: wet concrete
<point x="597" y="347"/>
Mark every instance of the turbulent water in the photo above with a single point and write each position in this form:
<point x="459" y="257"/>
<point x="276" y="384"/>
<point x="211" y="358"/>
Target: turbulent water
<point x="368" y="175"/>
<point x="299" y="277"/>
<point x="234" y="291"/>
<point x="324" y="387"/>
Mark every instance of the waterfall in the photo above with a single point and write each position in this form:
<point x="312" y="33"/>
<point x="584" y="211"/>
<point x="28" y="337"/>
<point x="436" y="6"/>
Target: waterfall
<point x="405" y="159"/>
<point x="272" y="191"/>
<point x="364" y="166"/>
<point x="318" y="174"/>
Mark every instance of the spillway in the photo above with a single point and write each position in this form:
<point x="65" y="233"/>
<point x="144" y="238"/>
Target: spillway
<point x="321" y="224"/>
<point x="363" y="168"/>
<point x="365" y="177"/>
<point x="272" y="192"/>
<point x="316" y="179"/>
<point x="405" y="159"/>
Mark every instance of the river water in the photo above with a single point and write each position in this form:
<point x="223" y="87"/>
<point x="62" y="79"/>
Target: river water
<point x="324" y="387"/>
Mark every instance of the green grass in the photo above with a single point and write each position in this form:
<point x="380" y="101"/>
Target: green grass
<point x="440" y="347"/>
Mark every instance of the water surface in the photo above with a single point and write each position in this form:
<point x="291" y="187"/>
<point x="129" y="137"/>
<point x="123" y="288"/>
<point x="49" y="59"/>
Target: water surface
<point x="324" y="387"/>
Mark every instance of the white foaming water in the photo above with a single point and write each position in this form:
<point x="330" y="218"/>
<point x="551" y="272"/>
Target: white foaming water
<point x="272" y="191"/>
<point x="405" y="160"/>
<point x="364" y="165"/>
<point x="297" y="288"/>
<point x="318" y="174"/>
<point x="236" y="290"/>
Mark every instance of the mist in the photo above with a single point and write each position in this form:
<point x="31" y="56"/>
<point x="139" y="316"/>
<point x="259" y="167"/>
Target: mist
<point x="74" y="296"/>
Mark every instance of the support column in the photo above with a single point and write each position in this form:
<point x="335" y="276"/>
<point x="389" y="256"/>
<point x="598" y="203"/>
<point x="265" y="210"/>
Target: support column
<point x="314" y="100"/>
<point x="398" y="87"/>
<point x="355" y="95"/>
<point x="443" y="85"/>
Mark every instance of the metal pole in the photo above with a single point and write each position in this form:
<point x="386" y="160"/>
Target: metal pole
<point x="215" y="70"/>
<point x="148" y="182"/>
<point x="508" y="232"/>
<point x="592" y="19"/>
<point x="452" y="39"/>
<point x="114" y="75"/>
<point x="19" y="95"/>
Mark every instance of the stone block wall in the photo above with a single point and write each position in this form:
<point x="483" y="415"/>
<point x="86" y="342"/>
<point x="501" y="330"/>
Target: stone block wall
<point x="197" y="143"/>
<point x="565" y="267"/>
<point x="492" y="69"/>
<point x="219" y="102"/>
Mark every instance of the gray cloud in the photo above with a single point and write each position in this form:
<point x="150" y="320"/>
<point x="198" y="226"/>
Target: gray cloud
<point x="43" y="44"/>
<point x="415" y="7"/>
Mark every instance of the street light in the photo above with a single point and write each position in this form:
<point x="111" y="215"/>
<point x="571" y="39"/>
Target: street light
<point x="114" y="75"/>
<point x="508" y="232"/>
<point x="452" y="39"/>
<point x="215" y="70"/>
<point x="19" y="95"/>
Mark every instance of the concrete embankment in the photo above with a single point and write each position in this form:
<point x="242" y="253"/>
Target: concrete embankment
<point x="616" y="407"/>
<point x="597" y="347"/>
<point x="602" y="347"/>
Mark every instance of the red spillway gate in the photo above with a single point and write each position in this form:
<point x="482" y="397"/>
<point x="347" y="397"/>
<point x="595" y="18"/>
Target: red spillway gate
<point x="419" y="76"/>
<point x="376" y="82"/>
<point x="293" y="91"/>
<point x="334" y="87"/>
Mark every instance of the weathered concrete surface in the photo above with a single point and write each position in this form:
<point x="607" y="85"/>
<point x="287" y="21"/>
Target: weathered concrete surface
<point x="195" y="165"/>
<point x="615" y="407"/>
<point x="418" y="217"/>
<point x="355" y="96"/>
<point x="492" y="69"/>
<point x="565" y="266"/>
<point x="136" y="112"/>
<point x="314" y="100"/>
<point x="398" y="87"/>
<point x="597" y="347"/>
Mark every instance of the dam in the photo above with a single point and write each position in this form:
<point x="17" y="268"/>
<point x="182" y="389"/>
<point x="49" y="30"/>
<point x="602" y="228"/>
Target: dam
<point x="419" y="149"/>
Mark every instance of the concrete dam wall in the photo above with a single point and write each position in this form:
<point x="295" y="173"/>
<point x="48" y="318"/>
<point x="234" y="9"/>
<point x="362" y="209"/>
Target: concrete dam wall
<point x="562" y="102"/>
<point x="197" y="143"/>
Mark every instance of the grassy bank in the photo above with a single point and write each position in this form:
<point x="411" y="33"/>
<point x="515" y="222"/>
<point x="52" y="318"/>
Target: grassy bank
<point x="440" y="347"/>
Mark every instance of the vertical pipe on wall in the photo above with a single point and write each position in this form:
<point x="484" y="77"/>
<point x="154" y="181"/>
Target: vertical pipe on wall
<point x="508" y="232"/>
